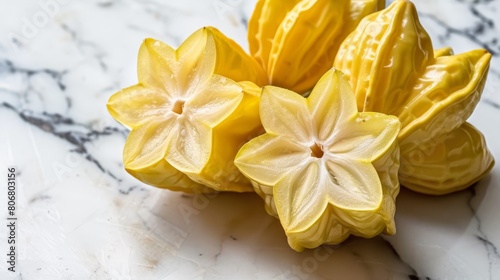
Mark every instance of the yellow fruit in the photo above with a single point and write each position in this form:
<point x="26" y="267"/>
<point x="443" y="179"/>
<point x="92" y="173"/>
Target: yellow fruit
<point x="440" y="162"/>
<point x="296" y="40"/>
<point x="443" y="51"/>
<point x="393" y="69"/>
<point x="188" y="115"/>
<point x="325" y="170"/>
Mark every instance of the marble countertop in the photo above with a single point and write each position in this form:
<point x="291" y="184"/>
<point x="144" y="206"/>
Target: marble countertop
<point x="81" y="216"/>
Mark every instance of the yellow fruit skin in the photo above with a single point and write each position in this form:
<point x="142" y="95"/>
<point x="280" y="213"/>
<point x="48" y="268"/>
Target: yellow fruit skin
<point x="393" y="69"/>
<point x="296" y="40"/>
<point x="444" y="96"/>
<point x="323" y="197"/>
<point x="187" y="120"/>
<point x="233" y="62"/>
<point x="443" y="51"/>
<point x="389" y="49"/>
<point x="440" y="162"/>
<point x="360" y="224"/>
<point x="163" y="175"/>
<point x="220" y="173"/>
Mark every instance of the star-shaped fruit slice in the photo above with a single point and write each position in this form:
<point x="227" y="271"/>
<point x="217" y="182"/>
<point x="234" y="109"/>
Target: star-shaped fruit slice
<point x="188" y="114"/>
<point x="325" y="170"/>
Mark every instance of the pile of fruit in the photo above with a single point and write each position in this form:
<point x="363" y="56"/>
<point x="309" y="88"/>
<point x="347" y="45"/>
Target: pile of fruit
<point x="337" y="104"/>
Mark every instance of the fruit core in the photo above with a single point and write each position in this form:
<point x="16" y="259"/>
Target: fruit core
<point x="317" y="150"/>
<point x="178" y="107"/>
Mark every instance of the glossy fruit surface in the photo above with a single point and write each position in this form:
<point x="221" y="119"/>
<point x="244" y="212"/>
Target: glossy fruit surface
<point x="296" y="40"/>
<point x="325" y="170"/>
<point x="188" y="115"/>
<point x="390" y="62"/>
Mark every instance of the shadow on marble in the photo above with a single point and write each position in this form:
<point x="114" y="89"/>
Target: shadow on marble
<point x="453" y="211"/>
<point x="231" y="234"/>
<point x="228" y="234"/>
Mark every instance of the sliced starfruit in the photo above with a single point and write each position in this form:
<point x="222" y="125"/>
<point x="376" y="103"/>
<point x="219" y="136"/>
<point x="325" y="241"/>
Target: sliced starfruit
<point x="325" y="170"/>
<point x="188" y="114"/>
<point x="296" y="40"/>
<point x="393" y="69"/>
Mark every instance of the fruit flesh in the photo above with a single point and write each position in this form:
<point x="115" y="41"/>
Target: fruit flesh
<point x="325" y="170"/>
<point x="187" y="120"/>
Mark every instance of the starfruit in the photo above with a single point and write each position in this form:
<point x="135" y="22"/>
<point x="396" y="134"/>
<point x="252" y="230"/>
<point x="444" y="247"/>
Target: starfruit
<point x="188" y="114"/>
<point x="296" y="40"/>
<point x="391" y="65"/>
<point x="325" y="170"/>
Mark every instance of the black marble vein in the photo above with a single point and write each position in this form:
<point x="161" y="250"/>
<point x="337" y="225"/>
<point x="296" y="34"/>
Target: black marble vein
<point x="39" y="198"/>
<point x="481" y="26"/>
<point x="130" y="189"/>
<point x="476" y="1"/>
<point x="413" y="274"/>
<point x="8" y="66"/>
<point x="472" y="33"/>
<point x="244" y="20"/>
<point x="415" y="277"/>
<point x="50" y="123"/>
<point x="80" y="43"/>
<point x="107" y="4"/>
<point x="491" y="249"/>
<point x="491" y="103"/>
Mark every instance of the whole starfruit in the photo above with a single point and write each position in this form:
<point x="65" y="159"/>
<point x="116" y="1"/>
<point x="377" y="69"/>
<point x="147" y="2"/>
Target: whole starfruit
<point x="296" y="40"/>
<point x="188" y="114"/>
<point x="325" y="170"/>
<point x="393" y="69"/>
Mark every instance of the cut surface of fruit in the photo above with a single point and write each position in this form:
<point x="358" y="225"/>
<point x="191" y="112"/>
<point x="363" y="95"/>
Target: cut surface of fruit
<point x="183" y="112"/>
<point x="316" y="165"/>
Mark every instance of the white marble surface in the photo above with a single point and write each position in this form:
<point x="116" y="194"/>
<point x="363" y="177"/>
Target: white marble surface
<point x="81" y="216"/>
